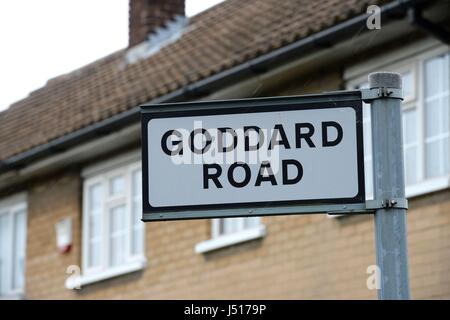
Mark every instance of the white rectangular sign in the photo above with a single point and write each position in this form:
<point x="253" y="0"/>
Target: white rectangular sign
<point x="247" y="157"/>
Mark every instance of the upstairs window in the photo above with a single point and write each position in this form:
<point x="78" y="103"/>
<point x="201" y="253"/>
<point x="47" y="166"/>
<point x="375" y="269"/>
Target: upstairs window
<point x="436" y="113"/>
<point x="113" y="233"/>
<point x="425" y="122"/>
<point x="230" y="231"/>
<point x="230" y="226"/>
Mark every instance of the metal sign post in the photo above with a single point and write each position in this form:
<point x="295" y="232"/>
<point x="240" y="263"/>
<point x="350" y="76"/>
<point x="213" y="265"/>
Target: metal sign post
<point x="389" y="185"/>
<point x="316" y="144"/>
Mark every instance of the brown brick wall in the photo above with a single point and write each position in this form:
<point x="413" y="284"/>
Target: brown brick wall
<point x="429" y="246"/>
<point x="310" y="256"/>
<point x="48" y="202"/>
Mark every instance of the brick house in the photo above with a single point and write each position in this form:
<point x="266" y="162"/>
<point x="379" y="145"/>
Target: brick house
<point x="70" y="152"/>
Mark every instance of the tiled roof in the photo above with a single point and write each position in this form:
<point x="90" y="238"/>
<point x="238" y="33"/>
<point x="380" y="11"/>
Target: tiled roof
<point x="218" y="39"/>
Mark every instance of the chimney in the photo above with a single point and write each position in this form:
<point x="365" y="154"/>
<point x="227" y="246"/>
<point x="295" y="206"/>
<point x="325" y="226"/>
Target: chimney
<point x="147" y="15"/>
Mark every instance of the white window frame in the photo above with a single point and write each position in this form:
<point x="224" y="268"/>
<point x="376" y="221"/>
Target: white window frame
<point x="123" y="165"/>
<point x="409" y="58"/>
<point x="10" y="206"/>
<point x="243" y="234"/>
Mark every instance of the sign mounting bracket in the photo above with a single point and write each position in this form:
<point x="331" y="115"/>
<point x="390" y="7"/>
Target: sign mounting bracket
<point x="372" y="205"/>
<point x="368" y="95"/>
<point x="400" y="203"/>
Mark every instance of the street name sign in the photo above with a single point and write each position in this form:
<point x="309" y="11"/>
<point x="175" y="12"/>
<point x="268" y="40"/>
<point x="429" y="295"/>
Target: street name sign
<point x="248" y="157"/>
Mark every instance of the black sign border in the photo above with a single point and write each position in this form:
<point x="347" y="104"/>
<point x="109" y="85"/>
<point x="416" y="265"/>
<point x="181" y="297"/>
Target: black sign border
<point x="341" y="99"/>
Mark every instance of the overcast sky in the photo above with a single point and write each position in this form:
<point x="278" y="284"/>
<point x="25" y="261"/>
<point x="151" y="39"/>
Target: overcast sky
<point x="41" y="39"/>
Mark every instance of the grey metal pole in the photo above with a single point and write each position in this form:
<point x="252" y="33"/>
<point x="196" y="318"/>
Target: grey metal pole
<point x="389" y="184"/>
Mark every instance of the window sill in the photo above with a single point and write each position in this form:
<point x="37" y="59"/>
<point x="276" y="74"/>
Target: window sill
<point x="13" y="296"/>
<point x="78" y="282"/>
<point x="427" y="186"/>
<point x="417" y="190"/>
<point x="231" y="239"/>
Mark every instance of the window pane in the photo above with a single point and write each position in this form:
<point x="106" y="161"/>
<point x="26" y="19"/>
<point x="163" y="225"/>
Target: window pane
<point x="117" y="256"/>
<point x="367" y="134"/>
<point x="446" y="71"/>
<point x="251" y="222"/>
<point x="19" y="249"/>
<point x="445" y="158"/>
<point x="95" y="253"/>
<point x="432" y="159"/>
<point x="138" y="241"/>
<point x="445" y="113"/>
<point x="409" y="144"/>
<point x="137" y="184"/>
<point x="95" y="197"/>
<point x="410" y="165"/>
<point x="437" y="115"/>
<point x="409" y="126"/>
<point x="434" y="76"/>
<point x="433" y="118"/>
<point x="116" y="185"/>
<point x="4" y="260"/>
<point x="221" y="226"/>
<point x="117" y="218"/>
<point x="137" y="244"/>
<point x="117" y="235"/>
<point x="115" y="231"/>
<point x="95" y="225"/>
<point x="228" y="226"/>
<point x="368" y="176"/>
<point x="408" y="84"/>
<point x="231" y="225"/>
